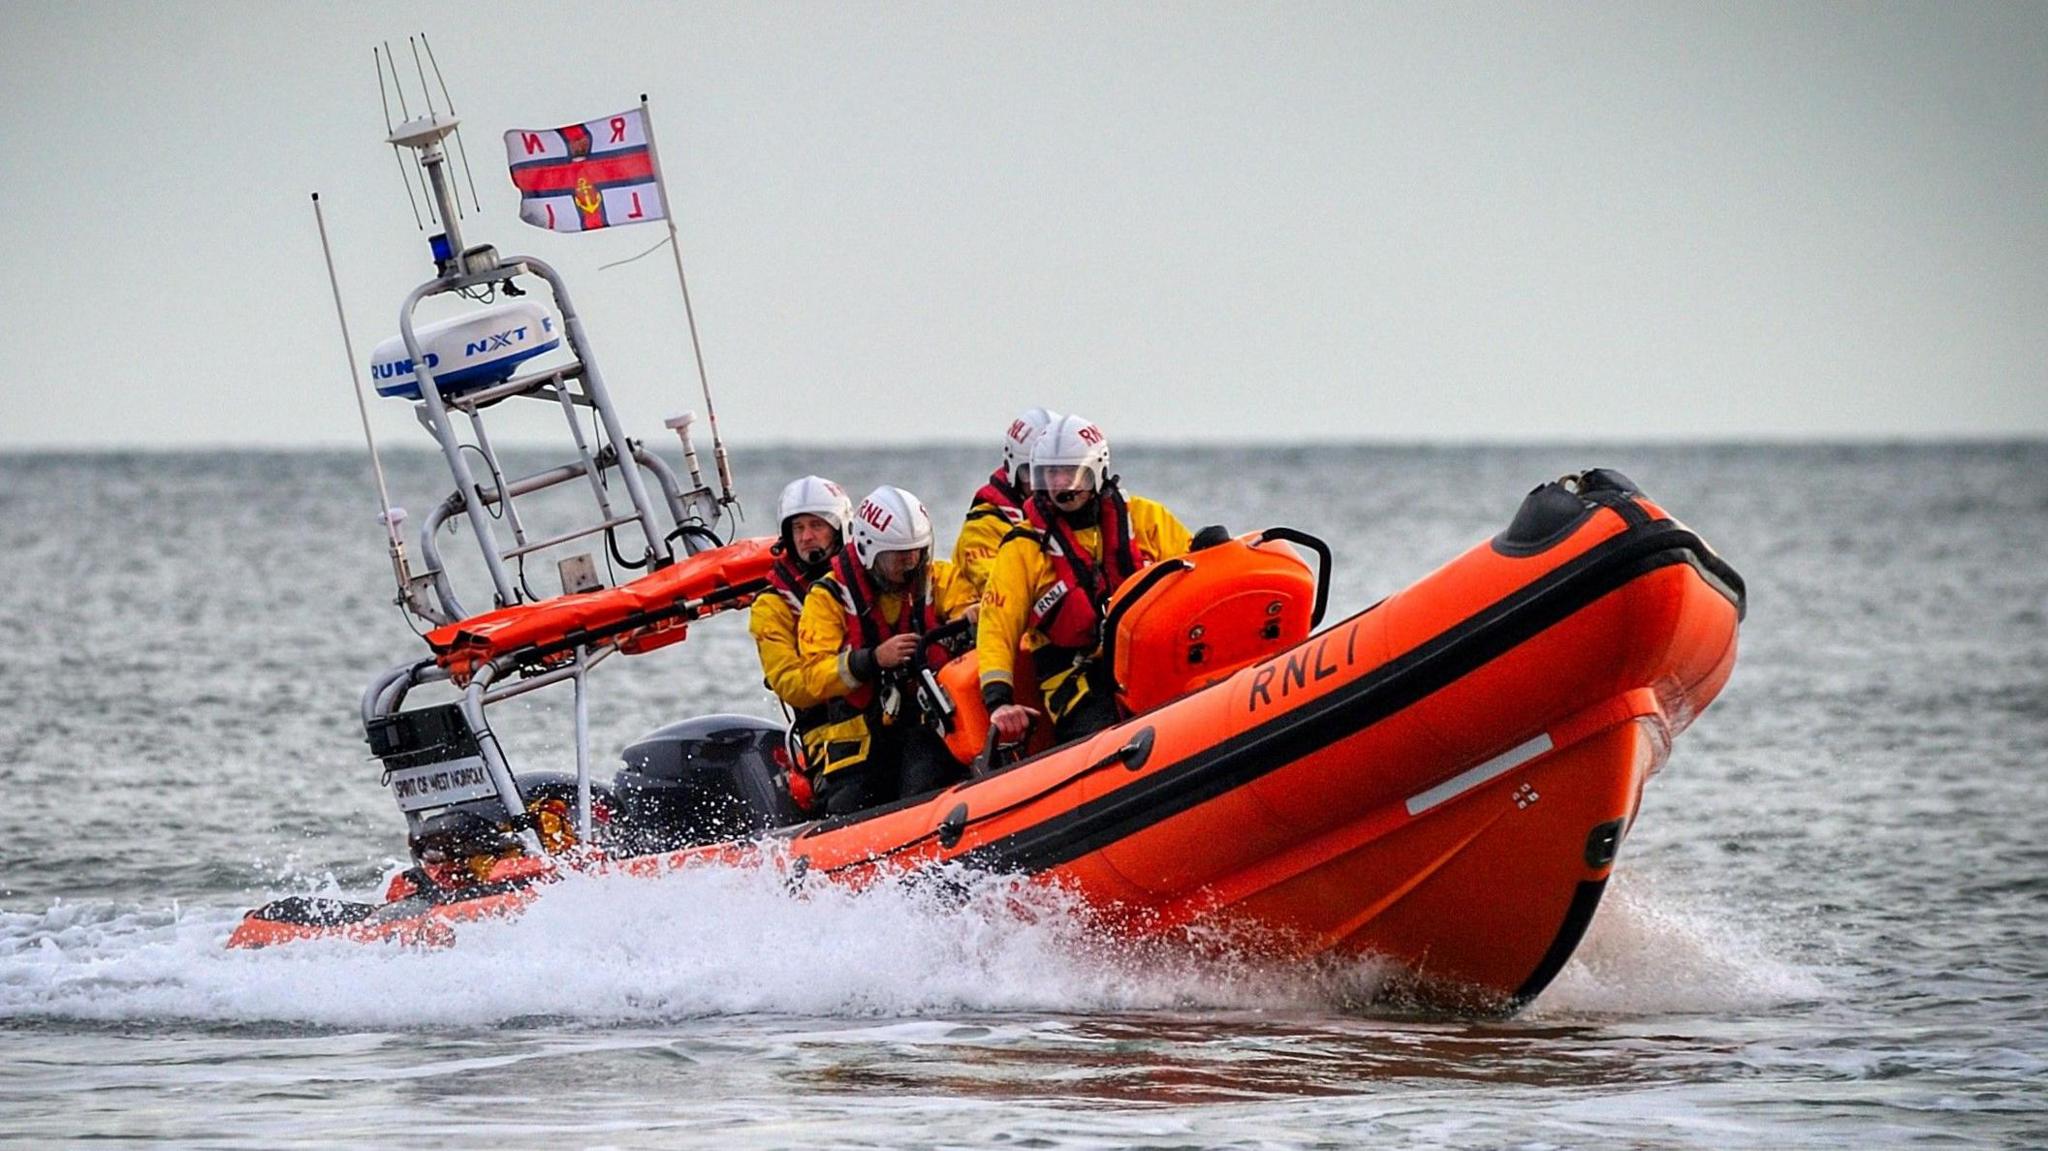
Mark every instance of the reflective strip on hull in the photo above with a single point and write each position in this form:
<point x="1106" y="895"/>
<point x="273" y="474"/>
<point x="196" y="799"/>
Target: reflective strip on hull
<point x="1465" y="781"/>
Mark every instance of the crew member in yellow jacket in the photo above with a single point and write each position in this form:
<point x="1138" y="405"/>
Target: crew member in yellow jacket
<point x="1053" y="577"/>
<point x="814" y="514"/>
<point x="998" y="505"/>
<point x="865" y="636"/>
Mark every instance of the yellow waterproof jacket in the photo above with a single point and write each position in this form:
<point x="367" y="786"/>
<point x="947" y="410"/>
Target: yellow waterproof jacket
<point x="974" y="553"/>
<point x="773" y="624"/>
<point x="823" y="646"/>
<point x="1021" y="574"/>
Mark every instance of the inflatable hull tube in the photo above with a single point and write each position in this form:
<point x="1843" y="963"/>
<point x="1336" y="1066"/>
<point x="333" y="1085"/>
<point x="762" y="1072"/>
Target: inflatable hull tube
<point x="1444" y="780"/>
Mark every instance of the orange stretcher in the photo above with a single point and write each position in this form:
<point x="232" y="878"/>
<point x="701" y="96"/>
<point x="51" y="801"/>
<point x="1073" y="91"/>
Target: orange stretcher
<point x="650" y="612"/>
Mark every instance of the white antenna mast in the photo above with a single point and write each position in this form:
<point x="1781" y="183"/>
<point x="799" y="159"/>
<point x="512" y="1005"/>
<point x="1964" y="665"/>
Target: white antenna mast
<point x="405" y="111"/>
<point x="675" y="245"/>
<point x="391" y="517"/>
<point x="423" y="136"/>
<point x="384" y="97"/>
<point x="427" y="94"/>
<point x="460" y="149"/>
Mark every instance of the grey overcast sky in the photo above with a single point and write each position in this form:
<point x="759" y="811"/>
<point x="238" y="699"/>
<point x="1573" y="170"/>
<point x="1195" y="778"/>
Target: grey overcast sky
<point x="1188" y="220"/>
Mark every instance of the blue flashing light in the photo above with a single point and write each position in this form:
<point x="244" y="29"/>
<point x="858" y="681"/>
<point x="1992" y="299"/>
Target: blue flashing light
<point x="438" y="244"/>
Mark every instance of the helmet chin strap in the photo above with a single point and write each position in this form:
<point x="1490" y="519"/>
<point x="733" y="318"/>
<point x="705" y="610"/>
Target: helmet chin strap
<point x="1084" y="516"/>
<point x="811" y="566"/>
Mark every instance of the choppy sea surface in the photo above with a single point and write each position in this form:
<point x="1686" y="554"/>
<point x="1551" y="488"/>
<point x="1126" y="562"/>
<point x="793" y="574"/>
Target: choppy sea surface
<point x="1828" y="929"/>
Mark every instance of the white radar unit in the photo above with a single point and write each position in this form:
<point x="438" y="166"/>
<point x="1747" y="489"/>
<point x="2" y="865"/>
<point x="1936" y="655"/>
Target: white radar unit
<point x="468" y="352"/>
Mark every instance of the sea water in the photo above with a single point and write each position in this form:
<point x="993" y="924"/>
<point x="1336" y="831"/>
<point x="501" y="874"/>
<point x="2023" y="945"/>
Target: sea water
<point x="1827" y="928"/>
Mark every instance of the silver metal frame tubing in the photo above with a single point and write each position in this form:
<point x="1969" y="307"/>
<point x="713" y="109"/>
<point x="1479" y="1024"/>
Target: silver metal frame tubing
<point x="387" y="692"/>
<point x="435" y="407"/>
<point x="678" y="501"/>
<point x="451" y="450"/>
<point x="695" y="511"/>
<point x="593" y="386"/>
<point x="582" y="746"/>
<point x="493" y="755"/>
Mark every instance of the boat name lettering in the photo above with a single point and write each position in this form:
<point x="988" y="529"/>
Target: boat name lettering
<point x="457" y="776"/>
<point x="1309" y="663"/>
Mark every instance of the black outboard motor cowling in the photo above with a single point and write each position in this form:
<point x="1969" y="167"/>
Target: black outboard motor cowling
<point x="703" y="780"/>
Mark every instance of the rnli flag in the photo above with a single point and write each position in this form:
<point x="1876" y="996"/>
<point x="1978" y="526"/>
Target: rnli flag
<point x="592" y="175"/>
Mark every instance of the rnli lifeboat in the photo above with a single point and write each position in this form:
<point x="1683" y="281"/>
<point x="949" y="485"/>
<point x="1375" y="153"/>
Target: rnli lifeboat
<point x="1444" y="780"/>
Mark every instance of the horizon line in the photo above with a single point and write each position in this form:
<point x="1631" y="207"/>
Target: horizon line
<point x="1141" y="443"/>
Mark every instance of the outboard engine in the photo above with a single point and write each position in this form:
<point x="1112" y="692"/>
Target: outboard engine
<point x="703" y="780"/>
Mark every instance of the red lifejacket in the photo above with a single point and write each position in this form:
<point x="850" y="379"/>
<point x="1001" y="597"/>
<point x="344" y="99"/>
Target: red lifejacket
<point x="998" y="497"/>
<point x="789" y="581"/>
<point x="861" y="600"/>
<point x="1070" y="612"/>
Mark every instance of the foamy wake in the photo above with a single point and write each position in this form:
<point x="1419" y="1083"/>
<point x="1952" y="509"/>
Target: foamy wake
<point x="1650" y="954"/>
<point x="725" y="941"/>
<point x="707" y="941"/>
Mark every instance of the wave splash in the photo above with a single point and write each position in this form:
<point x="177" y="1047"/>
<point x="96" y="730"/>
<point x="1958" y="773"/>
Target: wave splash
<point x="717" y="941"/>
<point x="620" y="949"/>
<point x="1649" y="954"/>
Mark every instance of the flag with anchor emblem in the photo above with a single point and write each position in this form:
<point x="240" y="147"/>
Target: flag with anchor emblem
<point x="597" y="174"/>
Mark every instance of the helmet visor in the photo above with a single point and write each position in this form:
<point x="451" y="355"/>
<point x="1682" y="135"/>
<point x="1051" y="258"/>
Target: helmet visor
<point x="1053" y="479"/>
<point x="898" y="567"/>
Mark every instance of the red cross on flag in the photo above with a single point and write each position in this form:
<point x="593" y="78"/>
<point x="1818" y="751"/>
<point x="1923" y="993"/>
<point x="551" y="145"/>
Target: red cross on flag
<point x="597" y="174"/>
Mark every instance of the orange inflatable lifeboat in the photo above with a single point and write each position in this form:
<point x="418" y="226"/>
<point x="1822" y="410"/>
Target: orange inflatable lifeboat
<point x="1443" y="780"/>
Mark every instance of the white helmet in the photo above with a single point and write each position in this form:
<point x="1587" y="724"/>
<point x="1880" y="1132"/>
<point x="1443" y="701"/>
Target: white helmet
<point x="1023" y="433"/>
<point x="1072" y="442"/>
<point x="817" y="496"/>
<point x="890" y="520"/>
